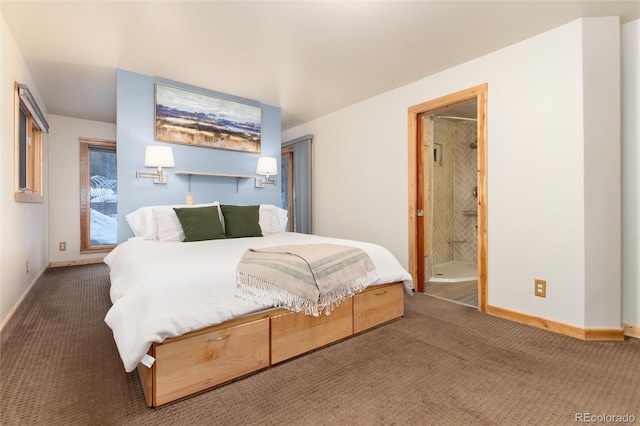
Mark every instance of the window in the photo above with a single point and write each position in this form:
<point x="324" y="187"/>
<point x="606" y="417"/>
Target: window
<point x="98" y="196"/>
<point x="29" y="126"/>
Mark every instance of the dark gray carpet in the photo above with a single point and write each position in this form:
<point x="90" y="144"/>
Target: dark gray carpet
<point x="442" y="364"/>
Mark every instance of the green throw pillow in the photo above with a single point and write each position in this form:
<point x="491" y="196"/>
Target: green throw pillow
<point x="200" y="223"/>
<point x="241" y="221"/>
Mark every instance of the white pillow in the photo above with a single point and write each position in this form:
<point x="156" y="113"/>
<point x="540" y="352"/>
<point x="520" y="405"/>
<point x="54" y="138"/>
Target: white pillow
<point x="142" y="223"/>
<point x="283" y="218"/>
<point x="169" y="228"/>
<point x="271" y="219"/>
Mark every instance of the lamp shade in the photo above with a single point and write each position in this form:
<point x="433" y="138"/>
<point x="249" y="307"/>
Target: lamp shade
<point x="267" y="166"/>
<point x="158" y="156"/>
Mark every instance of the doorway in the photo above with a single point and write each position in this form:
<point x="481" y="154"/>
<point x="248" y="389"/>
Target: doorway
<point x="297" y="184"/>
<point x="451" y="194"/>
<point x="425" y="154"/>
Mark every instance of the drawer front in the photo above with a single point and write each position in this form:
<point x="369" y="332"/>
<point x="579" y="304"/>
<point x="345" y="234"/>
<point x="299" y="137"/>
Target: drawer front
<point x="377" y="305"/>
<point x="189" y="365"/>
<point x="294" y="333"/>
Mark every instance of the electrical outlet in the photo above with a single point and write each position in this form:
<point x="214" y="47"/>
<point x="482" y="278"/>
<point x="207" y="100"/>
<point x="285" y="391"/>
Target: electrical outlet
<point x="26" y="266"/>
<point x="540" y="288"/>
<point x="189" y="199"/>
<point x="62" y="246"/>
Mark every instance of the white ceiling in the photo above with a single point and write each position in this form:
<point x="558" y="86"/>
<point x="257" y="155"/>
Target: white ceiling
<point x="308" y="57"/>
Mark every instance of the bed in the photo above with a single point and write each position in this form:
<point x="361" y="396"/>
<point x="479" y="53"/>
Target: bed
<point x="177" y="319"/>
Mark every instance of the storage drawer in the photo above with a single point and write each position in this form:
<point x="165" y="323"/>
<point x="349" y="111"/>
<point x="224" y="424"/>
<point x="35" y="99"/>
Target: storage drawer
<point x="193" y="363"/>
<point x="294" y="333"/>
<point x="377" y="305"/>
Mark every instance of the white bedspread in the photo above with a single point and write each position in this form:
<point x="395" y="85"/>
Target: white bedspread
<point x="166" y="289"/>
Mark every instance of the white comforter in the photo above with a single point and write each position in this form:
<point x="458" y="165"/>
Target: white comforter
<point x="166" y="289"/>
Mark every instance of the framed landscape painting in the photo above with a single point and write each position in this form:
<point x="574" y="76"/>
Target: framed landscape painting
<point x="191" y="118"/>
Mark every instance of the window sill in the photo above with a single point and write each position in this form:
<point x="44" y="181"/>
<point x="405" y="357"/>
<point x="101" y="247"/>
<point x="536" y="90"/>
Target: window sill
<point x="23" y="197"/>
<point x="98" y="249"/>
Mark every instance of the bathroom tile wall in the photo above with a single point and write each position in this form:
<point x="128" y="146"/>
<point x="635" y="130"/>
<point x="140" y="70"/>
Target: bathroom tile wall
<point x="454" y="236"/>
<point x="443" y="200"/>
<point x="465" y="180"/>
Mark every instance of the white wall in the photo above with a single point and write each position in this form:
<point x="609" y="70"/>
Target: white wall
<point x="631" y="173"/>
<point x="23" y="226"/>
<point x="602" y="172"/>
<point x="536" y="167"/>
<point x="64" y="182"/>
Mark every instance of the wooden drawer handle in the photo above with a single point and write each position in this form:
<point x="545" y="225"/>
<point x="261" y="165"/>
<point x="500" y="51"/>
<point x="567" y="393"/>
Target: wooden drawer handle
<point x="217" y="339"/>
<point x="381" y="294"/>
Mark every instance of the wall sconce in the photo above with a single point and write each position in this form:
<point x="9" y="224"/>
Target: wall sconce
<point x="157" y="156"/>
<point x="267" y="166"/>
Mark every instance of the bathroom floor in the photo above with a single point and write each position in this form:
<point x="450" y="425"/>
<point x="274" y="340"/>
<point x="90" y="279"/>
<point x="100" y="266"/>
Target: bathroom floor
<point x="454" y="281"/>
<point x="462" y="292"/>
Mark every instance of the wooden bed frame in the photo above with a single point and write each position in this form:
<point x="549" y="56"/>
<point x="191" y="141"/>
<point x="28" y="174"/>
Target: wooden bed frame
<point x="203" y="359"/>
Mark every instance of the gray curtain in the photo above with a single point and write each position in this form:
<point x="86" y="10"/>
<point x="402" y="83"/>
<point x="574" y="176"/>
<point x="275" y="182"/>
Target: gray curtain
<point x="302" y="192"/>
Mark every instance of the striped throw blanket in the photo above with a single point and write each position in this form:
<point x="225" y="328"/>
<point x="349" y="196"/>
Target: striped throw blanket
<point x="313" y="277"/>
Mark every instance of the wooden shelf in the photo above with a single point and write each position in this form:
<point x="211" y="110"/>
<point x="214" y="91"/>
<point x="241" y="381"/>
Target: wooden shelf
<point x="215" y="175"/>
<point x="224" y="175"/>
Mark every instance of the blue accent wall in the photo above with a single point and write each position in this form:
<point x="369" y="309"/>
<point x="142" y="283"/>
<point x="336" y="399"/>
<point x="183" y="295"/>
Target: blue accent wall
<point x="135" y="131"/>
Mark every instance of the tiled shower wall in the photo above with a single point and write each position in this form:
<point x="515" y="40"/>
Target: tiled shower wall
<point x="465" y="204"/>
<point x="442" y="196"/>
<point x="454" y="205"/>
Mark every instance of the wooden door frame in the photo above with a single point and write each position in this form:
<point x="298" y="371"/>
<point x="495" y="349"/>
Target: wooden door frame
<point x="418" y="224"/>
<point x="288" y="152"/>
